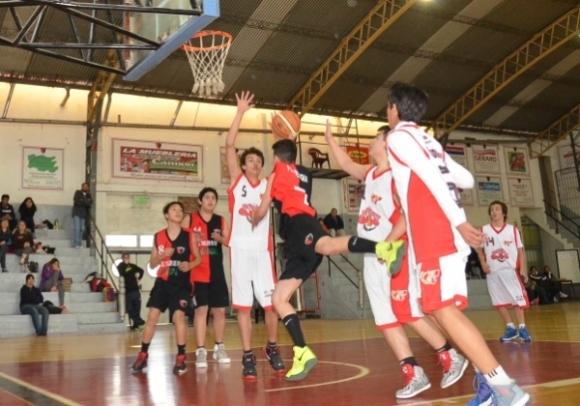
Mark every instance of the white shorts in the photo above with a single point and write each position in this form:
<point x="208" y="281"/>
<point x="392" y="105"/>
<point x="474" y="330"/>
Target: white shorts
<point x="443" y="282"/>
<point x="506" y="289"/>
<point x="394" y="300"/>
<point x="253" y="273"/>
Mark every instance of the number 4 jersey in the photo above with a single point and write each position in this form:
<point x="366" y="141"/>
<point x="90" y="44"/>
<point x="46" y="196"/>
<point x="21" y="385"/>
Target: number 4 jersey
<point x="244" y="198"/>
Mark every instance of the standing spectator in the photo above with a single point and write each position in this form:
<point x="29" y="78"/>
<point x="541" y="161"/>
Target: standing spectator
<point x="22" y="243"/>
<point x="27" y="211"/>
<point x="81" y="207"/>
<point x="51" y="280"/>
<point x="132" y="274"/>
<point x="5" y="241"/>
<point x="31" y="303"/>
<point x="334" y="223"/>
<point x="7" y="211"/>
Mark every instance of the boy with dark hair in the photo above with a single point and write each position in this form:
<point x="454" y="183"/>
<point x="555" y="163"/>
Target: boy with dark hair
<point x="394" y="300"/>
<point x="132" y="274"/>
<point x="290" y="187"/>
<point x="210" y="289"/>
<point x="252" y="267"/>
<point x="502" y="258"/>
<point x="176" y="253"/>
<point x="427" y="181"/>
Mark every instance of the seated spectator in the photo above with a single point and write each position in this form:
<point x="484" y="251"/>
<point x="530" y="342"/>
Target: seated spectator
<point x="22" y="243"/>
<point x="7" y="211"/>
<point x="5" y="241"/>
<point x="51" y="279"/>
<point x="334" y="223"/>
<point x="321" y="222"/>
<point x="473" y="266"/>
<point x="554" y="287"/>
<point x="27" y="211"/>
<point x="536" y="287"/>
<point x="31" y="303"/>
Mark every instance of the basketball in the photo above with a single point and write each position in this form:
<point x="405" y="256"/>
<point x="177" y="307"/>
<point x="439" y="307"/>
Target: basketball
<point x="286" y="124"/>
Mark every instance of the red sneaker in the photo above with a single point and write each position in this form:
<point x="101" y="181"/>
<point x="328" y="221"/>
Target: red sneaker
<point x="141" y="362"/>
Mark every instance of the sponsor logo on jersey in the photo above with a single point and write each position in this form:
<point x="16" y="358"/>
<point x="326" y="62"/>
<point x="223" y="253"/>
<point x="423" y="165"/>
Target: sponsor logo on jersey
<point x="399" y="295"/>
<point x="499" y="255"/>
<point x="308" y="240"/>
<point x="247" y="210"/>
<point x="430" y="277"/>
<point x="375" y="198"/>
<point x="369" y="219"/>
<point x="180" y="250"/>
<point x="507" y="243"/>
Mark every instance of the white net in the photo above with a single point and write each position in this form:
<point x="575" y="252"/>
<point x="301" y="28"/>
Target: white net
<point x="207" y="52"/>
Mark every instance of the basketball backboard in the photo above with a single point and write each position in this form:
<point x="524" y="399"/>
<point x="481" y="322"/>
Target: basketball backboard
<point x="170" y="24"/>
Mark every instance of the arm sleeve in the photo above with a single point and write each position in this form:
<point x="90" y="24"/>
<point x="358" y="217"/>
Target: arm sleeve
<point x="462" y="177"/>
<point x="404" y="149"/>
<point x="140" y="271"/>
<point x="78" y="198"/>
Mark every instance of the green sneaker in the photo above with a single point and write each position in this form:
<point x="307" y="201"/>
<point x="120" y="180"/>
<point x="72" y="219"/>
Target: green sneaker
<point x="392" y="253"/>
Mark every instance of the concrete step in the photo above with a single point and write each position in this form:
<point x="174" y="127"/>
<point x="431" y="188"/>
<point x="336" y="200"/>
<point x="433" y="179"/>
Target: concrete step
<point x="47" y="234"/>
<point x="84" y="308"/>
<point x="102" y="328"/>
<point x="479" y="302"/>
<point x="98" y="318"/>
<point x="13" y="281"/>
<point x="21" y="325"/>
<point x="58" y="243"/>
<point x="10" y="302"/>
<point x="13" y="261"/>
<point x="477" y="287"/>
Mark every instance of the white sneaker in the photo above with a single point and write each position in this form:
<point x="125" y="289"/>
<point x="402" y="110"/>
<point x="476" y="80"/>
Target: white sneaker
<point x="220" y="354"/>
<point x="454" y="366"/>
<point x="563" y="295"/>
<point x="201" y="358"/>
<point x="416" y="382"/>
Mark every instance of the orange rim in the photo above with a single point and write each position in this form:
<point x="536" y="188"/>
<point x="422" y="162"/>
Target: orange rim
<point x="209" y="33"/>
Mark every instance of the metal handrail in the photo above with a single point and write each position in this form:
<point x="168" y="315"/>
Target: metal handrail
<point x="359" y="286"/>
<point x="559" y="222"/>
<point x="104" y="253"/>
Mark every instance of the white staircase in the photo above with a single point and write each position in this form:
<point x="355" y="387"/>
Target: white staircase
<point x="88" y="313"/>
<point x="549" y="225"/>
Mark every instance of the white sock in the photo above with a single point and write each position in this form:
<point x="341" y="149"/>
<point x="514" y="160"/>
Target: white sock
<point x="498" y="377"/>
<point x="511" y="325"/>
<point x="522" y="326"/>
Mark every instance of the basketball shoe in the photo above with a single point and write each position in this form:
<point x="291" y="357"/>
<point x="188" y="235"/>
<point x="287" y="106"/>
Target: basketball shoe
<point x="220" y="354"/>
<point x="201" y="358"/>
<point x="524" y="335"/>
<point x="273" y="357"/>
<point x="510" y="334"/>
<point x="454" y="365"/>
<point x="415" y="382"/>
<point x="249" y="372"/>
<point x="392" y="253"/>
<point x="180" y="365"/>
<point x="304" y="361"/>
<point x="498" y="395"/>
<point x="141" y="362"/>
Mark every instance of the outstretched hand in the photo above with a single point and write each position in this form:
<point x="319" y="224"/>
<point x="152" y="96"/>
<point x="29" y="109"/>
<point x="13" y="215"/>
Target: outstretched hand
<point x="245" y="101"/>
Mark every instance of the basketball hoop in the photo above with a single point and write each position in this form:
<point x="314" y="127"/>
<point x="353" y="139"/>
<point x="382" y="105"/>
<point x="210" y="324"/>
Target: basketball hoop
<point x="207" y="52"/>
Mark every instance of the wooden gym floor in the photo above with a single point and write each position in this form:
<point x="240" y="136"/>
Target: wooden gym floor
<point x="356" y="367"/>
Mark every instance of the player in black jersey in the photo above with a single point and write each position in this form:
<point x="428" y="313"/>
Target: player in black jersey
<point x="176" y="253"/>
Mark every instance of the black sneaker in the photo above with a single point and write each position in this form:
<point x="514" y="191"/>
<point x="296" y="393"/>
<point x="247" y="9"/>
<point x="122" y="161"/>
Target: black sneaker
<point x="141" y="362"/>
<point x="249" y="363"/>
<point x="273" y="357"/>
<point x="4" y="270"/>
<point x="180" y="366"/>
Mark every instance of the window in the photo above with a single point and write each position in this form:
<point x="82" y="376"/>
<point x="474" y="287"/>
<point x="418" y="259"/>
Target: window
<point x="121" y="241"/>
<point x="146" y="241"/>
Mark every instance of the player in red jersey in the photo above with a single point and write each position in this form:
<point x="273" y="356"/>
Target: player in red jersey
<point x="176" y="253"/>
<point x="427" y="182"/>
<point x="394" y="300"/>
<point x="290" y="186"/>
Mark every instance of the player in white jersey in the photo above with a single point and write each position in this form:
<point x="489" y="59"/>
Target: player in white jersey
<point x="394" y="300"/>
<point x="502" y="257"/>
<point x="427" y="181"/>
<point x="251" y="262"/>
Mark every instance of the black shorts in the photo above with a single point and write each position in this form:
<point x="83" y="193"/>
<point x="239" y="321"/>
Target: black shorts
<point x="213" y="294"/>
<point x="166" y="295"/>
<point x="302" y="233"/>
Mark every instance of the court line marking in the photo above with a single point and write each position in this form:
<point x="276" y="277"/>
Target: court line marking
<point x="16" y="396"/>
<point x="39" y="390"/>
<point x="554" y="384"/>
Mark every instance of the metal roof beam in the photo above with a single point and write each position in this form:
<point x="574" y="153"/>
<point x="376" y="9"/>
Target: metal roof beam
<point x="381" y="17"/>
<point x="526" y="56"/>
<point x="101" y="86"/>
<point x="555" y="133"/>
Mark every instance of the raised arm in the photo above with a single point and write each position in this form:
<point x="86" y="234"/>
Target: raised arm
<point x="354" y="169"/>
<point x="261" y="211"/>
<point x="244" y="104"/>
